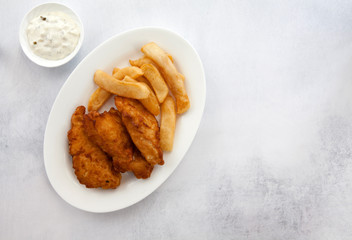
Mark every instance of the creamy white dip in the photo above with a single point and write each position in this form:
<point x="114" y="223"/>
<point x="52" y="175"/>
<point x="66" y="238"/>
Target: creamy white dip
<point x="53" y="35"/>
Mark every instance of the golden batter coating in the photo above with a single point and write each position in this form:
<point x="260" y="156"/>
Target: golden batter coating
<point x="139" y="166"/>
<point x="93" y="167"/>
<point x="142" y="127"/>
<point x="108" y="132"/>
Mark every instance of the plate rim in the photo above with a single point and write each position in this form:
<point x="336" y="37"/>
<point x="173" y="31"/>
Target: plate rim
<point x="202" y="72"/>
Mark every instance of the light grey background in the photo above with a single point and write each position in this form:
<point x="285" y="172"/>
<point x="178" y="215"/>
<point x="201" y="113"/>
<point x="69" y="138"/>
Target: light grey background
<point x="272" y="158"/>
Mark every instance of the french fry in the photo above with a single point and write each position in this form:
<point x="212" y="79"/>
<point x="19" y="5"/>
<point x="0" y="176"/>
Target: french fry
<point x="151" y="102"/>
<point x="107" y="82"/>
<point x="167" y="124"/>
<point x="181" y="76"/>
<point x="97" y="99"/>
<point x="145" y="60"/>
<point x="144" y="80"/>
<point x="115" y="70"/>
<point x="156" y="80"/>
<point x="100" y="96"/>
<point x="171" y="58"/>
<point x="133" y="72"/>
<point x="172" y="76"/>
<point x="134" y="75"/>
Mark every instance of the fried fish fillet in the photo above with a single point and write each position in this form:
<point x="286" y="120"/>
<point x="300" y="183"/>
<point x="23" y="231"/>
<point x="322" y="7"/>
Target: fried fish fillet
<point x="108" y="132"/>
<point x="139" y="166"/>
<point x="93" y="167"/>
<point x="142" y="127"/>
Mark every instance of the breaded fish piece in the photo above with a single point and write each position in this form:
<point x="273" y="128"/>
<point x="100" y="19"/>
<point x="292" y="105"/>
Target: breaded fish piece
<point x="108" y="132"/>
<point x="139" y="166"/>
<point x="93" y="167"/>
<point x="142" y="127"/>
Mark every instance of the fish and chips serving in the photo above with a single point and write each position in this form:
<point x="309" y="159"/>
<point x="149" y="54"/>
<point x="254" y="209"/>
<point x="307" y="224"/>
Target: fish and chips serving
<point x="128" y="138"/>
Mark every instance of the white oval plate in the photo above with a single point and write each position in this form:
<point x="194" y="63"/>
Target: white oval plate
<point x="76" y="91"/>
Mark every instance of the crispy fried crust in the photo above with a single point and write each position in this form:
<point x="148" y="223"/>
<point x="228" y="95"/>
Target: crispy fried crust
<point x="93" y="167"/>
<point x="142" y="127"/>
<point x="108" y="132"/>
<point x="139" y="166"/>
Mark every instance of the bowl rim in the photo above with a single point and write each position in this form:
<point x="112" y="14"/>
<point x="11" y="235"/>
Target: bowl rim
<point x="42" y="61"/>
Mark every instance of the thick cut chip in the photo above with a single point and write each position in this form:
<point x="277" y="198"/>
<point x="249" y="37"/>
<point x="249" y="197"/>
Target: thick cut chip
<point x="100" y="96"/>
<point x="172" y="76"/>
<point x="151" y="102"/>
<point x="144" y="80"/>
<point x="133" y="72"/>
<point x="145" y="60"/>
<point x="167" y="124"/>
<point x="107" y="82"/>
<point x="156" y="80"/>
<point x="97" y="99"/>
<point x="115" y="70"/>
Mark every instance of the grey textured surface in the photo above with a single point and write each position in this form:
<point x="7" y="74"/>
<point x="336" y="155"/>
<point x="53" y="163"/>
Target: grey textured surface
<point x="272" y="158"/>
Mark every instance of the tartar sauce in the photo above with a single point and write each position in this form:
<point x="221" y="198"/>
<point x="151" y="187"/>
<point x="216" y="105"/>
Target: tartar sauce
<point x="53" y="35"/>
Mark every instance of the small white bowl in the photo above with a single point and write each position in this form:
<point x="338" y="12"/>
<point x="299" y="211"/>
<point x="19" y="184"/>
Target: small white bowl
<point x="39" y="10"/>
